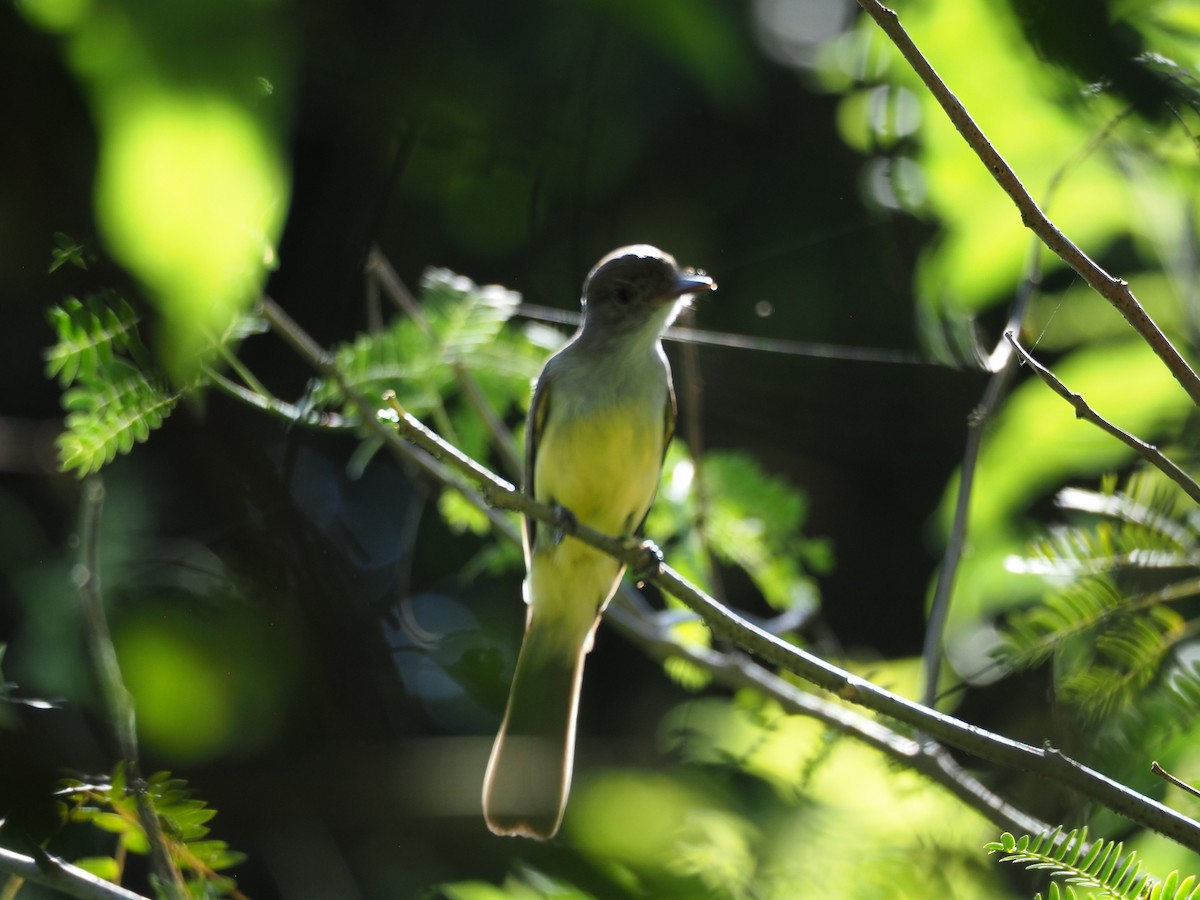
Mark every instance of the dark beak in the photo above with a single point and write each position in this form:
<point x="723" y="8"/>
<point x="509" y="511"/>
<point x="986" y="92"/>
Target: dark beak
<point x="692" y="283"/>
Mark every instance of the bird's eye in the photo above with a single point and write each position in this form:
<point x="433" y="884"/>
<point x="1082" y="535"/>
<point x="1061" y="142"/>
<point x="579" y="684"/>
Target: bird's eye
<point x="623" y="294"/>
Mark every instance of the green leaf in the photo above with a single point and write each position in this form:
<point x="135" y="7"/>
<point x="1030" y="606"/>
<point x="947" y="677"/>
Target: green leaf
<point x="461" y="515"/>
<point x="89" y="334"/>
<point x="215" y="854"/>
<point x="754" y="522"/>
<point x="101" y="866"/>
<point x="1116" y="628"/>
<point x="1105" y="870"/>
<point x="182" y="817"/>
<point x="460" y="325"/>
<point x="109" y="415"/>
<point x="112" y="822"/>
<point x="67" y="251"/>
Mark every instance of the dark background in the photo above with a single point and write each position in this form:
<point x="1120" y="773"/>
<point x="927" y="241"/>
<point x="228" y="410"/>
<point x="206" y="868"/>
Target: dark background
<point x="514" y="143"/>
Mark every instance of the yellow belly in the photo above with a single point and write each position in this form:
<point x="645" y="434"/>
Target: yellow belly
<point x="603" y="468"/>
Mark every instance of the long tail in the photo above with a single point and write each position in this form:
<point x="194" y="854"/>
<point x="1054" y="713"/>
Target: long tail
<point x="529" y="773"/>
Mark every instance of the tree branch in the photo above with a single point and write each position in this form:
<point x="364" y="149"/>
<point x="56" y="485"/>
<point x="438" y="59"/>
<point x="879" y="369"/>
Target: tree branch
<point x="447" y="466"/>
<point x="1148" y="452"/>
<point x="117" y="697"/>
<point x="52" y="872"/>
<point x="1114" y="290"/>
<point x="1047" y="762"/>
<point x="268" y="403"/>
<point x="736" y="670"/>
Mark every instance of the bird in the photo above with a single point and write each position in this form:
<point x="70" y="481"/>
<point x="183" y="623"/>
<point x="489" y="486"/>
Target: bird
<point x="601" y="417"/>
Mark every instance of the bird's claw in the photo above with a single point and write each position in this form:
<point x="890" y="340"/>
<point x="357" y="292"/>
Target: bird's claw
<point x="564" y="521"/>
<point x="651" y="562"/>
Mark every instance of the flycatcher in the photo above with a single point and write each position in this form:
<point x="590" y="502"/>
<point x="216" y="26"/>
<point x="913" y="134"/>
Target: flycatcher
<point x="603" y="412"/>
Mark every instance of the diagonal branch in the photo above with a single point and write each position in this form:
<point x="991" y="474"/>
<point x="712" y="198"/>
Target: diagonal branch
<point x="52" y="872"/>
<point x="1046" y="762"/>
<point x="1148" y="452"/>
<point x="735" y="669"/>
<point x="1115" y="290"/>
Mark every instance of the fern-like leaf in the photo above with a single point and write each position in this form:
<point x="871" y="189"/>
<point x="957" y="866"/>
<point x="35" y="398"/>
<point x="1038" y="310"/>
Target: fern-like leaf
<point x="1115" y="627"/>
<point x="1102" y="868"/>
<point x="469" y="316"/>
<point x="109" y="414"/>
<point x="460" y="323"/>
<point x="113" y="396"/>
<point x="90" y="333"/>
<point x="110" y="806"/>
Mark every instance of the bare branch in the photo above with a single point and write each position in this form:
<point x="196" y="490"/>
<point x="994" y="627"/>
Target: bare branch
<point x="119" y="701"/>
<point x="1171" y="779"/>
<point x="1148" y="452"/>
<point x="52" y="872"/>
<point x="1114" y="290"/>
<point x="737" y="670"/>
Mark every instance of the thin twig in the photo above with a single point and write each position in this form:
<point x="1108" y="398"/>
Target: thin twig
<point x="1168" y="777"/>
<point x="939" y="608"/>
<point x="1148" y="452"/>
<point x="1047" y="762"/>
<point x="117" y="696"/>
<point x="268" y="403"/>
<point x="61" y="876"/>
<point x="1115" y="290"/>
<point x="232" y="360"/>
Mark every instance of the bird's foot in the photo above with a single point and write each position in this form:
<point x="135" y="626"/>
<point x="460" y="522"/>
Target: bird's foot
<point x="651" y="562"/>
<point x="564" y="521"/>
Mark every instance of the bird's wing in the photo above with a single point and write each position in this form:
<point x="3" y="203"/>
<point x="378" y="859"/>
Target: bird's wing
<point x="539" y="408"/>
<point x="669" y="416"/>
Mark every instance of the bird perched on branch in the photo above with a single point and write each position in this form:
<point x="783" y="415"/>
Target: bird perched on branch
<point x="603" y="412"/>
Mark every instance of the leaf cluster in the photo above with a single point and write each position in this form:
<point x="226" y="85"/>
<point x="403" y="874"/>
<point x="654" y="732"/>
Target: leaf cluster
<point x="726" y="505"/>
<point x="448" y="358"/>
<point x="112" y="396"/>
<point x="724" y="510"/>
<point x="1102" y="868"/>
<point x="455" y="325"/>
<point x="111" y="805"/>
<point x="1119" y="612"/>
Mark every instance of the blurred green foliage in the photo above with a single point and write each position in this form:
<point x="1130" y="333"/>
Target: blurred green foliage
<point x="769" y="804"/>
<point x="1118" y="177"/>
<point x="191" y="185"/>
<point x="192" y="104"/>
<point x="111" y="806"/>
